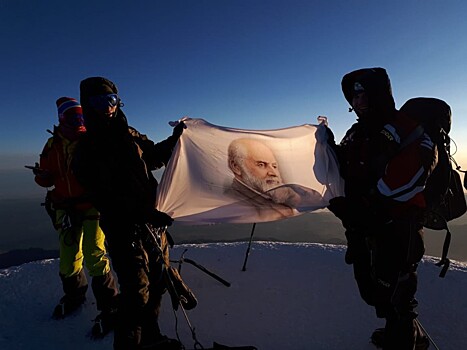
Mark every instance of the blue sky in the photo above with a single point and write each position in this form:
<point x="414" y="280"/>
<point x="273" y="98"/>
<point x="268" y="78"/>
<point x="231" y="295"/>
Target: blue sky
<point x="256" y="64"/>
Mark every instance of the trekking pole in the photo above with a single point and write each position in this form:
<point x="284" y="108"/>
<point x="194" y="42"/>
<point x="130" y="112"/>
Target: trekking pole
<point x="427" y="335"/>
<point x="249" y="246"/>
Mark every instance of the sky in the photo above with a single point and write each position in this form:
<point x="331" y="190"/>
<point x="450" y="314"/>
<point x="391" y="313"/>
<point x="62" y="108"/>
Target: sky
<point x="291" y="296"/>
<point x="252" y="64"/>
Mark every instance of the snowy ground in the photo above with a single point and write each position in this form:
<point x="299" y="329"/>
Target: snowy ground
<point x="291" y="296"/>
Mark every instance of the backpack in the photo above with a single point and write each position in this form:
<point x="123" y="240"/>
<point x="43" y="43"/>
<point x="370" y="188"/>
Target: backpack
<point x="443" y="191"/>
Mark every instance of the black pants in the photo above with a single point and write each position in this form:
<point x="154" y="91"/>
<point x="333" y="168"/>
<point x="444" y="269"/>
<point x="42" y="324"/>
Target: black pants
<point x="139" y="275"/>
<point x="385" y="263"/>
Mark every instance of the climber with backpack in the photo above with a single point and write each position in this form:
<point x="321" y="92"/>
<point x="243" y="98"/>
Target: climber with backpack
<point x="383" y="205"/>
<point x="76" y="221"/>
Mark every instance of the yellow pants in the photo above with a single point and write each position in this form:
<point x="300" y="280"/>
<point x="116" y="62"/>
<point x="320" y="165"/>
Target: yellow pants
<point x="81" y="239"/>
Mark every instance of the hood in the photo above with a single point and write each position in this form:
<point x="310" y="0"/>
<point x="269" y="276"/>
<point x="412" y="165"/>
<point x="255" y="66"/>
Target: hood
<point x="377" y="86"/>
<point x="94" y="86"/>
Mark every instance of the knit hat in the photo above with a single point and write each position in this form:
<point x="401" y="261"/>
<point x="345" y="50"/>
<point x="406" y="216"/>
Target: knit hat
<point x="70" y="114"/>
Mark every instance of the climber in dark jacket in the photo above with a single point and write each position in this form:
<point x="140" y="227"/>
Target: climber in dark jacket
<point x="383" y="202"/>
<point x="114" y="162"/>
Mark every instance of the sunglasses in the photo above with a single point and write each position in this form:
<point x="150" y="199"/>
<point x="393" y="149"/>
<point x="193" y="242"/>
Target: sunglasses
<point x="102" y="102"/>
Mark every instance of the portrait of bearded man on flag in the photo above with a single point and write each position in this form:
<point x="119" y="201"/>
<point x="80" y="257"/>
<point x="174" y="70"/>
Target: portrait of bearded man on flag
<point x="258" y="179"/>
<point x="225" y="175"/>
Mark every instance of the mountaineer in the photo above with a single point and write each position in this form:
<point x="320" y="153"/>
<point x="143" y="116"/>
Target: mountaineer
<point x="115" y="162"/>
<point x="76" y="220"/>
<point x="383" y="203"/>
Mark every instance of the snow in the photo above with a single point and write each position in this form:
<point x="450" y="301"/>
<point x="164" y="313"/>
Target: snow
<point x="291" y="296"/>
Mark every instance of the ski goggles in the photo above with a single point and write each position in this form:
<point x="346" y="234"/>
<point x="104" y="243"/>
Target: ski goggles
<point x="70" y="119"/>
<point x="72" y="123"/>
<point x="102" y="102"/>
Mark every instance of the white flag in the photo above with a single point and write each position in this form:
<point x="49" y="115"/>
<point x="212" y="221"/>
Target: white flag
<point x="225" y="175"/>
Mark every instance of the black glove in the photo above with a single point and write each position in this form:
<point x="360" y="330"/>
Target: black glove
<point x="160" y="219"/>
<point x="38" y="171"/>
<point x="360" y="213"/>
<point x="338" y="206"/>
<point x="353" y="213"/>
<point x="178" y="129"/>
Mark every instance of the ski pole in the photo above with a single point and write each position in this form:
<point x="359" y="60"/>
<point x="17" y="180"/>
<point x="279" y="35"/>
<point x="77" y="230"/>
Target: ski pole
<point x="249" y="246"/>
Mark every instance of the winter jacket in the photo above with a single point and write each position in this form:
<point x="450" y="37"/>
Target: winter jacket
<point x="382" y="179"/>
<point x="115" y="162"/>
<point x="56" y="159"/>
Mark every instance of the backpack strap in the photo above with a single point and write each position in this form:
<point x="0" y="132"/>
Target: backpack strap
<point x="413" y="136"/>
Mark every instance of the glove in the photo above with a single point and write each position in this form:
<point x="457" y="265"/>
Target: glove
<point x="353" y="213"/>
<point x="178" y="129"/>
<point x="338" y="206"/>
<point x="36" y="170"/>
<point x="160" y="219"/>
<point x="40" y="173"/>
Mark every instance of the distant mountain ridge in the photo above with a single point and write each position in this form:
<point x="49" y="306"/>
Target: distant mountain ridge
<point x="21" y="256"/>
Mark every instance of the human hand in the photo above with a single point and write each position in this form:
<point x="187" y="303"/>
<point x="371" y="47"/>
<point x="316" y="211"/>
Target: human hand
<point x="322" y="120"/>
<point x="178" y="129"/>
<point x="338" y="206"/>
<point x="160" y="219"/>
<point x="36" y="170"/>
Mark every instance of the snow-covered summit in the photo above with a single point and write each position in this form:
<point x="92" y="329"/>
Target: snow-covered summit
<point x="291" y="296"/>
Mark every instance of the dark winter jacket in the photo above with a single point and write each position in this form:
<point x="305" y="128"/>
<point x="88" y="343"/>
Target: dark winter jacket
<point x="383" y="181"/>
<point x="115" y="162"/>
